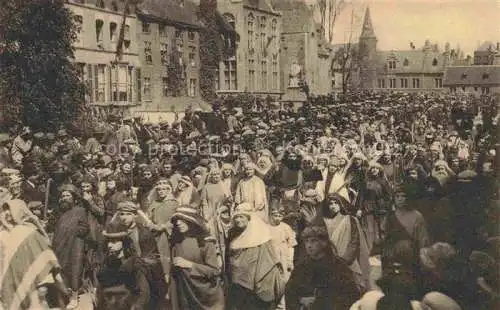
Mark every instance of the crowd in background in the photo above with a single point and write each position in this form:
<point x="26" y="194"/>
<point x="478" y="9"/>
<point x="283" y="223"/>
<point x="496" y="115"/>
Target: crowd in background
<point x="370" y="201"/>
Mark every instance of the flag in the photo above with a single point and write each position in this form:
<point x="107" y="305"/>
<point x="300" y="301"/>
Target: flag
<point x="27" y="261"/>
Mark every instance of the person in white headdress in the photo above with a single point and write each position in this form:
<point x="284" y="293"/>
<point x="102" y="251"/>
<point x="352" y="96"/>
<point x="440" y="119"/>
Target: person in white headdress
<point x="251" y="189"/>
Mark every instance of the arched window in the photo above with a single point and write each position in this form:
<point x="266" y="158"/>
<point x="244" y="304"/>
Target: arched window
<point x="274" y="26"/>
<point x="434" y="62"/>
<point x="250" y="30"/>
<point x="112" y="32"/>
<point x="98" y="30"/>
<point x="406" y="62"/>
<point x="263" y="23"/>
<point x="230" y="19"/>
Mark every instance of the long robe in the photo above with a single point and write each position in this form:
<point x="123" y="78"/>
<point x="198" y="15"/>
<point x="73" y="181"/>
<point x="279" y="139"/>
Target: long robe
<point x="161" y="213"/>
<point x="212" y="195"/>
<point x="69" y="244"/>
<point x="200" y="287"/>
<point x="346" y="234"/>
<point x="253" y="191"/>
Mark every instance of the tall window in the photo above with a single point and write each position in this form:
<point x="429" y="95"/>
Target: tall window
<point x="263" y="33"/>
<point x="100" y="78"/>
<point x="121" y="82"/>
<point x="230" y="82"/>
<point x="217" y="79"/>
<point x="162" y="29"/>
<point x="192" y="56"/>
<point x="192" y="87"/>
<point x="113" y="36"/>
<point x="392" y="83"/>
<point x="275" y="71"/>
<point x="381" y="83"/>
<point x="139" y="84"/>
<point x="438" y="83"/>
<point x="263" y="72"/>
<point x="251" y="75"/>
<point x="146" y="27"/>
<point x="434" y="62"/>
<point x="416" y="83"/>
<point x="164" y="83"/>
<point x="98" y="31"/>
<point x="404" y="83"/>
<point x="392" y="64"/>
<point x="178" y="34"/>
<point x="147" y="52"/>
<point x="164" y="53"/>
<point x="274" y="30"/>
<point x="250" y="26"/>
<point x="147" y="88"/>
<point x="191" y="35"/>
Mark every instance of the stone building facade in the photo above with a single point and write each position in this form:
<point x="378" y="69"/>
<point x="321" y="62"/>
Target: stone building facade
<point x="254" y="65"/>
<point x="168" y="39"/>
<point x="109" y="83"/>
<point x="476" y="79"/>
<point x="403" y="70"/>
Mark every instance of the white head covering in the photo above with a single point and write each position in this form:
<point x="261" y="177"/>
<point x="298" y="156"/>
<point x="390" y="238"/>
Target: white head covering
<point x="256" y="233"/>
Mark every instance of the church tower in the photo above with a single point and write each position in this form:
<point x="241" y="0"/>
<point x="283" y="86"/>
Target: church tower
<point x="368" y="54"/>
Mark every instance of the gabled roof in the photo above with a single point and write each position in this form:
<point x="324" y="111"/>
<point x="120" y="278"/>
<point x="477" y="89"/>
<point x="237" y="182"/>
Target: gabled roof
<point x="169" y="12"/>
<point x="412" y="61"/>
<point x="472" y="75"/>
<point x="486" y="46"/>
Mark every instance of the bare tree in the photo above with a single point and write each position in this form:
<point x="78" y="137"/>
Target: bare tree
<point x="329" y="11"/>
<point x="344" y="60"/>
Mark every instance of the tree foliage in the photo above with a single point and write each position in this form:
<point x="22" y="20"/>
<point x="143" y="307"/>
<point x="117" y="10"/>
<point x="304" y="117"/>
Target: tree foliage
<point x="40" y="86"/>
<point x="209" y="49"/>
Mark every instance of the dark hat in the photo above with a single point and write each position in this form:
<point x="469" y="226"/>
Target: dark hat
<point x="127" y="206"/>
<point x="189" y="215"/>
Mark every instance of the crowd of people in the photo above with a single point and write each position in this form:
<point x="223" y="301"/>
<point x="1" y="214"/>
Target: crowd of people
<point x="370" y="201"/>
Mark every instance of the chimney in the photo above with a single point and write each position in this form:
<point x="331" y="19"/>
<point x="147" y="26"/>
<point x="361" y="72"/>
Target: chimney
<point x="498" y="46"/>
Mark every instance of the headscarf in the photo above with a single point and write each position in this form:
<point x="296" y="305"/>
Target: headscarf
<point x="256" y="233"/>
<point x="23" y="216"/>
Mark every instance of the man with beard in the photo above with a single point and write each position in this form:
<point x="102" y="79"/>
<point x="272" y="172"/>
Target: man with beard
<point x="252" y="190"/>
<point x="334" y="182"/>
<point x="310" y="175"/>
<point x="443" y="173"/>
<point x="70" y="233"/>
<point x="146" y="183"/>
<point x="356" y="170"/>
<point x="288" y="179"/>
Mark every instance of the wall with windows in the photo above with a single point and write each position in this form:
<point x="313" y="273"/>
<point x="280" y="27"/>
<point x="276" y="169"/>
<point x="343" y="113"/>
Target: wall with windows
<point x="417" y="82"/>
<point x="254" y="66"/>
<point x="98" y="30"/>
<point x="157" y="41"/>
<point x="476" y="90"/>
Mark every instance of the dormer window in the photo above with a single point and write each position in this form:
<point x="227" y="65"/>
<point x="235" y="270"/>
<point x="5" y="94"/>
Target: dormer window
<point x="464" y="76"/>
<point x="434" y="62"/>
<point x="406" y="62"/>
<point x="392" y="64"/>
<point x="486" y="76"/>
<point x="100" y="4"/>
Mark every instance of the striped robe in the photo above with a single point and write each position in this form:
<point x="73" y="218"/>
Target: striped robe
<point x="26" y="261"/>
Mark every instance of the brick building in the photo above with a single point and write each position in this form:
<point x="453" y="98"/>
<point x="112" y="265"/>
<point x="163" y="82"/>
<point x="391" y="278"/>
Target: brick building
<point x="404" y="70"/>
<point x="305" y="54"/>
<point x="168" y="40"/>
<point x="108" y="83"/>
<point x="253" y="64"/>
<point x="477" y="79"/>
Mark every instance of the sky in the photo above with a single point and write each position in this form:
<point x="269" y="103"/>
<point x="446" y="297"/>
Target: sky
<point x="465" y="23"/>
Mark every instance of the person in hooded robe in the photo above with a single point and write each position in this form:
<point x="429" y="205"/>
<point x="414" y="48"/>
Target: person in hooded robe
<point x="196" y="269"/>
<point x="69" y="241"/>
<point x="335" y="181"/>
<point x="252" y="265"/>
<point x="212" y="196"/>
<point x="348" y="238"/>
<point x="373" y="202"/>
<point x="228" y="180"/>
<point x="252" y="190"/>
